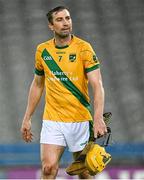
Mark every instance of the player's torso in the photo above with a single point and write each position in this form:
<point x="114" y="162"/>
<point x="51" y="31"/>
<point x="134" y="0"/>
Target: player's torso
<point x="67" y="59"/>
<point x="64" y="73"/>
<point x="63" y="65"/>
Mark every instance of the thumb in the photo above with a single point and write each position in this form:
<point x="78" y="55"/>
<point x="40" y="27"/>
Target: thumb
<point x="95" y="134"/>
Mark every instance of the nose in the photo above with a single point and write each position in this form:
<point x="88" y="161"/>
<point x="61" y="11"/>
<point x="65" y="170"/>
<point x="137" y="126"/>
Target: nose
<point x="65" y="22"/>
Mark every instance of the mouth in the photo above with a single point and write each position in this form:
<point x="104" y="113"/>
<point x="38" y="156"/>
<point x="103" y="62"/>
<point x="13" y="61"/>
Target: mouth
<point x="65" y="29"/>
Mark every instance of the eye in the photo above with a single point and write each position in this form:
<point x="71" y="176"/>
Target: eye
<point x="59" y="19"/>
<point x="68" y="18"/>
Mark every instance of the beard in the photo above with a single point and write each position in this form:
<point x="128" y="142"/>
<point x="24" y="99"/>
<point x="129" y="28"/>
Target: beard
<point x="63" y="34"/>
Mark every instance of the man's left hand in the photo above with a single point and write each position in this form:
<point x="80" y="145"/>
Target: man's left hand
<point x="99" y="127"/>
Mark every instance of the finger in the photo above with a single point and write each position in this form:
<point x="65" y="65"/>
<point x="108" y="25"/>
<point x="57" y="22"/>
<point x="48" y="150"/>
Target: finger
<point x="95" y="134"/>
<point x="29" y="137"/>
<point x="101" y="133"/>
<point x="103" y="130"/>
<point x="24" y="134"/>
<point x="106" y="129"/>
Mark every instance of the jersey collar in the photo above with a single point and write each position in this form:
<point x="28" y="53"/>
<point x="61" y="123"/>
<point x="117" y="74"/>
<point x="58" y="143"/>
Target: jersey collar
<point x="63" y="47"/>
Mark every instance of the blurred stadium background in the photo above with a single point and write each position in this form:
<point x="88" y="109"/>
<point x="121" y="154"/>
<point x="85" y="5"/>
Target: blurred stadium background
<point x="115" y="28"/>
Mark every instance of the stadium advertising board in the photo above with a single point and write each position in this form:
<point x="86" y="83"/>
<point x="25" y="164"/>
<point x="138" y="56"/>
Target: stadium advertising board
<point x="109" y="173"/>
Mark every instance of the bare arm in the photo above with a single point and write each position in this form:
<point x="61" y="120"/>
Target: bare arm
<point x="95" y="80"/>
<point x="34" y="96"/>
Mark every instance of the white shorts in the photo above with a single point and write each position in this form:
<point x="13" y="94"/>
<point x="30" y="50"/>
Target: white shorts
<point x="73" y="135"/>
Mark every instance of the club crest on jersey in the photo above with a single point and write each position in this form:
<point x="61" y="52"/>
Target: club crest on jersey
<point x="72" y="57"/>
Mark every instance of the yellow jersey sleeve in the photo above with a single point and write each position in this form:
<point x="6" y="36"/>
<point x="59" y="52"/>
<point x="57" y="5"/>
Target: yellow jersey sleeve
<point x="89" y="58"/>
<point x="39" y="70"/>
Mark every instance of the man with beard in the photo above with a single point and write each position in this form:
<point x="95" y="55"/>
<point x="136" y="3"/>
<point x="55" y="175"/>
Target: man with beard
<point x="64" y="65"/>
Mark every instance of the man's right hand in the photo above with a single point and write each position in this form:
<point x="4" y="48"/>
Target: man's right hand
<point x="26" y="131"/>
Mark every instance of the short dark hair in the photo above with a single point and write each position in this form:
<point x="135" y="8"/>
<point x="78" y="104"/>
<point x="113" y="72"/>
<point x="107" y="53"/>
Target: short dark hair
<point x="56" y="9"/>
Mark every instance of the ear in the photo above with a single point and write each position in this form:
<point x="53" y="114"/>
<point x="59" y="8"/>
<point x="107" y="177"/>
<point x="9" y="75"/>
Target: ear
<point x="50" y="26"/>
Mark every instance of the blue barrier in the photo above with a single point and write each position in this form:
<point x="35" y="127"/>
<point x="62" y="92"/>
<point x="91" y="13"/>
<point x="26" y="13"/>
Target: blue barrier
<point x="19" y="154"/>
<point x="127" y="150"/>
<point x="29" y="154"/>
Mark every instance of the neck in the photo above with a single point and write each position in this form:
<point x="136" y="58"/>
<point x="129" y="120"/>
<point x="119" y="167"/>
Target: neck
<point x="62" y="41"/>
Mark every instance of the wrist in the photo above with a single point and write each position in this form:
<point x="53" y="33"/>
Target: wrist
<point x="98" y="116"/>
<point x="27" y="117"/>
